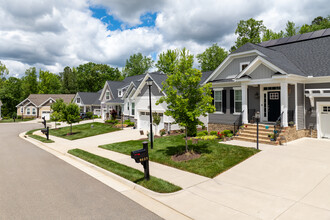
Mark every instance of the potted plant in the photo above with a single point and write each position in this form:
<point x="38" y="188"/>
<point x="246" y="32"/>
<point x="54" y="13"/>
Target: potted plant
<point x="271" y="136"/>
<point x="291" y="123"/>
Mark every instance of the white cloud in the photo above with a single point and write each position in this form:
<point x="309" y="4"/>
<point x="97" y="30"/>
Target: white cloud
<point x="54" y="34"/>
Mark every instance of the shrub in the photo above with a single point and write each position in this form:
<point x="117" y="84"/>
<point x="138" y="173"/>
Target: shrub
<point x="113" y="114"/>
<point x="226" y="132"/>
<point x="207" y="137"/>
<point x="202" y="133"/>
<point x="89" y="115"/>
<point x="213" y="133"/>
<point x="14" y="115"/>
<point x="95" y="116"/>
<point x="230" y="135"/>
<point x="114" y="122"/>
<point x="19" y="117"/>
<point x="162" y="132"/>
<point x="129" y="122"/>
<point x="221" y="135"/>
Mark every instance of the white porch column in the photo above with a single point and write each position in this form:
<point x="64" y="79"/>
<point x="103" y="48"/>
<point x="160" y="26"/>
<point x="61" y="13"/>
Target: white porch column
<point x="284" y="103"/>
<point x="84" y="108"/>
<point x="244" y="104"/>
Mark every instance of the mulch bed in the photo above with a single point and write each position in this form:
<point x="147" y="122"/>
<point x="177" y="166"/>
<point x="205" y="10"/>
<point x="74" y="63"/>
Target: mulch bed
<point x="185" y="157"/>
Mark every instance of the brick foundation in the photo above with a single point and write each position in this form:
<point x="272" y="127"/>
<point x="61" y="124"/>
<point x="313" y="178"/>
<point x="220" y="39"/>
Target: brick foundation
<point x="220" y="127"/>
<point x="291" y="133"/>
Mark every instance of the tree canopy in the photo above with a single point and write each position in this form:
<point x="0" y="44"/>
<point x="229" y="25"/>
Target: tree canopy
<point x="137" y="64"/>
<point x="212" y="57"/>
<point x="167" y="61"/>
<point x="186" y="98"/>
<point x="248" y="31"/>
<point x="49" y="83"/>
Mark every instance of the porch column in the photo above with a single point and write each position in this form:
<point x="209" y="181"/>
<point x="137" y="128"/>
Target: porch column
<point x="244" y="104"/>
<point x="284" y="103"/>
<point x="84" y="108"/>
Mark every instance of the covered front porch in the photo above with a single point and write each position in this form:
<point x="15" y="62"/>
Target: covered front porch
<point x="276" y="102"/>
<point x="107" y="108"/>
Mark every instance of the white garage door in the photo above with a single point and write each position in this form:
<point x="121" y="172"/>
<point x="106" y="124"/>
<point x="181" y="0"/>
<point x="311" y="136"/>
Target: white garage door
<point x="325" y="121"/>
<point x="45" y="114"/>
<point x="144" y="121"/>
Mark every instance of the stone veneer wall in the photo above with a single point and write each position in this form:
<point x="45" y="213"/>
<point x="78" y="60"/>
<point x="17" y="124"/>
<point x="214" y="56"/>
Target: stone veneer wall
<point x="220" y="127"/>
<point x="291" y="133"/>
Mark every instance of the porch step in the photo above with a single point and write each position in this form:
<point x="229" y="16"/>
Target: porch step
<point x="239" y="138"/>
<point x="261" y="132"/>
<point x="254" y="136"/>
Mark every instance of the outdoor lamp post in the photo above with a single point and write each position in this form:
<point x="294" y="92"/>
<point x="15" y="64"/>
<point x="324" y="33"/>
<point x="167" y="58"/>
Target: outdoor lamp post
<point x="149" y="83"/>
<point x="257" y="117"/>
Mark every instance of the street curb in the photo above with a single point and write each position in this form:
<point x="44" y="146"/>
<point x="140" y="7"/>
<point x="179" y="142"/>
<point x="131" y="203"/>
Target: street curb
<point x="150" y="194"/>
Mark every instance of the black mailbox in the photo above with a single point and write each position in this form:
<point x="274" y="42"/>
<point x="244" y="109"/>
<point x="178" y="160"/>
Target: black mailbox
<point x="45" y="131"/>
<point x="140" y="155"/>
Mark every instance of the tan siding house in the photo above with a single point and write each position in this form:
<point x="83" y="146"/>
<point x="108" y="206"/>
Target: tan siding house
<point x="38" y="105"/>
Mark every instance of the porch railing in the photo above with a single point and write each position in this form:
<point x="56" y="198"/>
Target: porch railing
<point x="278" y="126"/>
<point x="238" y="123"/>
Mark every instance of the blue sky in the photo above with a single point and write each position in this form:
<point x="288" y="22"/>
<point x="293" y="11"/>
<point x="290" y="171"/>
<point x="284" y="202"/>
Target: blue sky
<point x="146" y="20"/>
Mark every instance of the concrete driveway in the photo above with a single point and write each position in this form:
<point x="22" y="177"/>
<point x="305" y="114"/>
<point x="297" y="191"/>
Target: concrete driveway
<point x="282" y="182"/>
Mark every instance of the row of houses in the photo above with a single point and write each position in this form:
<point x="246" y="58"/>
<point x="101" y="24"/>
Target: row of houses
<point x="286" y="79"/>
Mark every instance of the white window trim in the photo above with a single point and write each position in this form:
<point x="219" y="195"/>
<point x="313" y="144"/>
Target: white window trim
<point x="218" y="90"/>
<point x="28" y="111"/>
<point x="241" y="65"/>
<point x="237" y="113"/>
<point x="106" y="95"/>
<point x="34" y="110"/>
<point x="77" y="100"/>
<point x="132" y="109"/>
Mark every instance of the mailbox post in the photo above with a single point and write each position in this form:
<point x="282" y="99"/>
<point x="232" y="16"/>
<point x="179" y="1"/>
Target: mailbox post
<point x="45" y="131"/>
<point x="142" y="156"/>
<point x="44" y="121"/>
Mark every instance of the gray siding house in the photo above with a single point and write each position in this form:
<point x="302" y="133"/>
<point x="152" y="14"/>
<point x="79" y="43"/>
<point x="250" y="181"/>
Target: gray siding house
<point x="286" y="79"/>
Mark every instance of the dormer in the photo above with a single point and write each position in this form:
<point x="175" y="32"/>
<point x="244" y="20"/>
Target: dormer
<point x="120" y="93"/>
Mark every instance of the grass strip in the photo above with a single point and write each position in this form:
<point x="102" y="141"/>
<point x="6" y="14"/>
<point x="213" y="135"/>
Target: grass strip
<point x="136" y="176"/>
<point x="215" y="157"/>
<point x="83" y="130"/>
<point x="37" y="137"/>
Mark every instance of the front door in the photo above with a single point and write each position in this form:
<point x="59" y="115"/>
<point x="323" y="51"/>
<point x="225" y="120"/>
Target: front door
<point x="274" y="105"/>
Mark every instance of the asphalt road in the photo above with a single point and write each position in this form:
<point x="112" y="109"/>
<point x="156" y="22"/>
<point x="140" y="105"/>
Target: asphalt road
<point x="36" y="185"/>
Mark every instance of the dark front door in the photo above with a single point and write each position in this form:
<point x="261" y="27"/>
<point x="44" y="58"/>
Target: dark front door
<point x="274" y="105"/>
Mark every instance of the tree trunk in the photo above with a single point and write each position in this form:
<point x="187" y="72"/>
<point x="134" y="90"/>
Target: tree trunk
<point x="186" y="140"/>
<point x="71" y="129"/>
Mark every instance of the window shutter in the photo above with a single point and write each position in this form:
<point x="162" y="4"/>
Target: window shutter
<point x="224" y="100"/>
<point x="212" y="95"/>
<point x="232" y="101"/>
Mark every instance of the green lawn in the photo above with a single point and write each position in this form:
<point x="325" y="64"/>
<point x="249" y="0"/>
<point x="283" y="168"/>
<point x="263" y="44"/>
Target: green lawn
<point x="215" y="157"/>
<point x="37" y="137"/>
<point x="17" y="120"/>
<point x="136" y="176"/>
<point x="83" y="130"/>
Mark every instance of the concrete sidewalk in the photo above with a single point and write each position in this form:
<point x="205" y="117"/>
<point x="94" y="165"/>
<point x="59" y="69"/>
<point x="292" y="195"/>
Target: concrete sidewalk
<point x="280" y="182"/>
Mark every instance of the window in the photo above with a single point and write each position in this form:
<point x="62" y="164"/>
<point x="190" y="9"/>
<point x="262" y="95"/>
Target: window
<point x="78" y="100"/>
<point x="33" y="111"/>
<point x="218" y="101"/>
<point x="128" y="106"/>
<point x="119" y="93"/>
<point x="21" y="109"/>
<point x="243" y="66"/>
<point x="133" y="108"/>
<point x="238" y="100"/>
<point x="28" y="111"/>
<point x="326" y="108"/>
<point x="274" y="96"/>
<point x="107" y="95"/>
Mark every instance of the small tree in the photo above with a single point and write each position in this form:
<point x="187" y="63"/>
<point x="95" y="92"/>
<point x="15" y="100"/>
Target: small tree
<point x="186" y="98"/>
<point x="57" y="108"/>
<point x="14" y="116"/>
<point x="71" y="114"/>
<point x="156" y="120"/>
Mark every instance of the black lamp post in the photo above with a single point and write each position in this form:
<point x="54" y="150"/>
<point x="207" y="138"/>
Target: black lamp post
<point x="257" y="117"/>
<point x="149" y="83"/>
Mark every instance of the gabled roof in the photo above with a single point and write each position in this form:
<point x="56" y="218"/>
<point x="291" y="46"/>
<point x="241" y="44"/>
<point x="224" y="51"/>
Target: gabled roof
<point x="90" y="98"/>
<point x="39" y="99"/>
<point x="303" y="54"/>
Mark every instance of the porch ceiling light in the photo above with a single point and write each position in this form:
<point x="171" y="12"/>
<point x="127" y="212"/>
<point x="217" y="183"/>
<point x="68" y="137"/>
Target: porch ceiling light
<point x="149" y="81"/>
